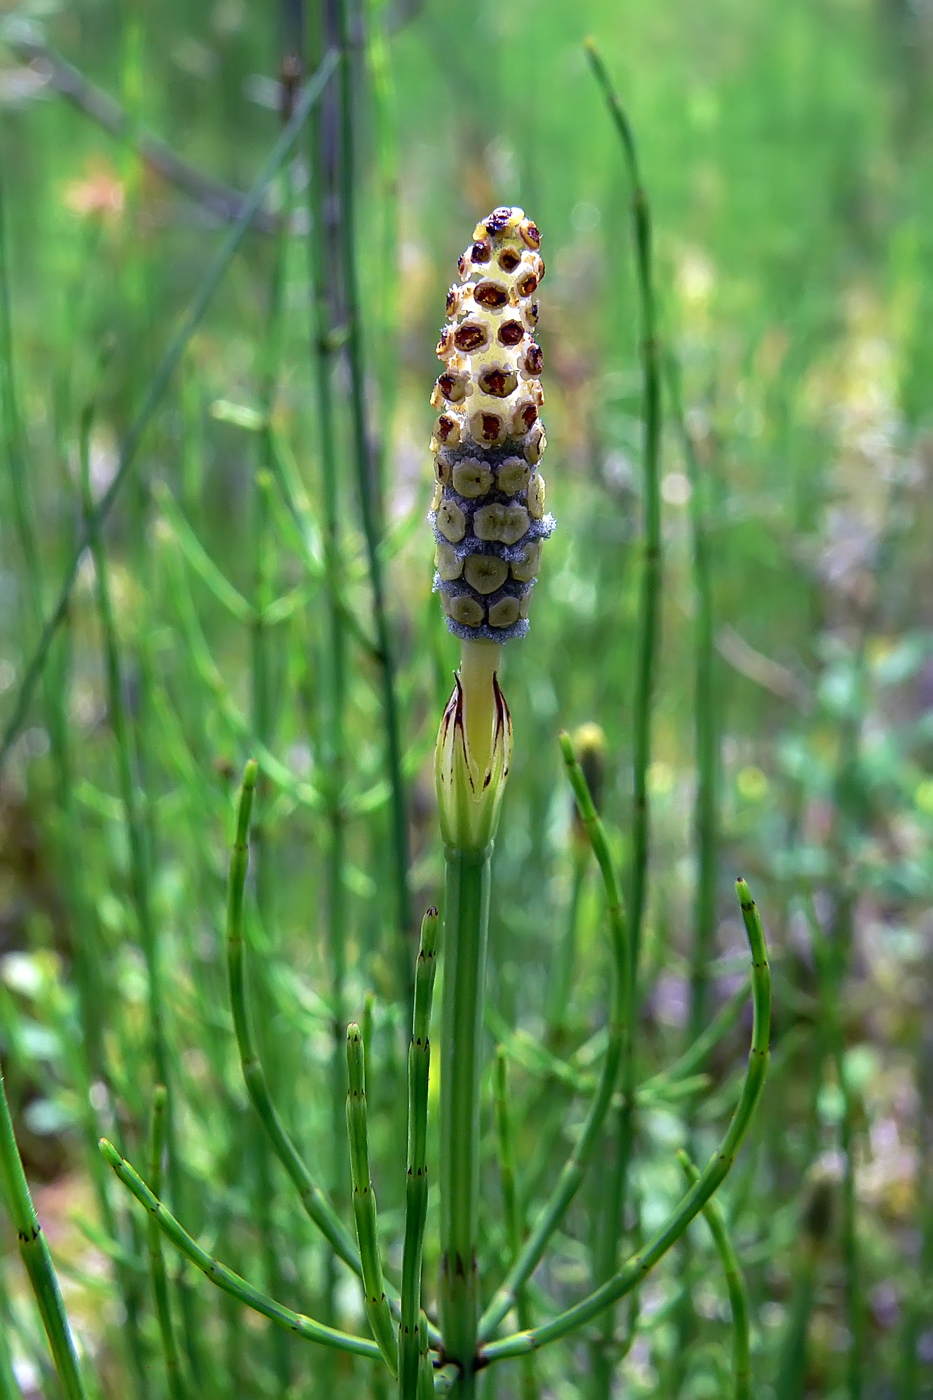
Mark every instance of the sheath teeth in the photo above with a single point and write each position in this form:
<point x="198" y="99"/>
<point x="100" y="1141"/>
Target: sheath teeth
<point x="488" y="513"/>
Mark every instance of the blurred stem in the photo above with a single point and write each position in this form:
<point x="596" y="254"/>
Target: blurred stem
<point x="176" y="1385"/>
<point x="34" y="1252"/>
<point x="466" y="927"/>
<point x="263" y="725"/>
<point x="514" y="1222"/>
<point x="157" y="385"/>
<point x="559" y="993"/>
<point x="706" y="806"/>
<point x="324" y="278"/>
<point x="649" y="615"/>
<point x="917" y="1309"/>
<point x="367" y="490"/>
<point x="706" y="729"/>
<point x="738" y="1297"/>
<point x="129" y="792"/>
<point x="9" y="1386"/>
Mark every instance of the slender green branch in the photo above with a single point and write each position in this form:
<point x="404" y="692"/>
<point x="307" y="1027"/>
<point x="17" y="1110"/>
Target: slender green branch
<point x="514" y="1224"/>
<point x="9" y="1386"/>
<point x="158" y="383"/>
<point x="176" y="1384"/>
<point x="225" y="1278"/>
<point x="425" y="1389"/>
<point x="649" y="624"/>
<point x="315" y="1203"/>
<point x="735" y="1283"/>
<point x="714" y="1173"/>
<point x="416" y="1185"/>
<point x="706" y="731"/>
<point x="34" y="1252"/>
<point x="127" y="768"/>
<point x="364" y="1203"/>
<point x="325" y="309"/>
<point x="575" y="1168"/>
<point x="366" y="478"/>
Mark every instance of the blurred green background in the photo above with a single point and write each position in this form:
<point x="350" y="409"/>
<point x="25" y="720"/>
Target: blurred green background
<point x="787" y="154"/>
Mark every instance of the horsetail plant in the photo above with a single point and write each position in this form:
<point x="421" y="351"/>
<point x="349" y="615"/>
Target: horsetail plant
<point x="489" y="523"/>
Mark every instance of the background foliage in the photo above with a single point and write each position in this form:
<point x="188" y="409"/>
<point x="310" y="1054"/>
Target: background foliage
<point x="786" y="151"/>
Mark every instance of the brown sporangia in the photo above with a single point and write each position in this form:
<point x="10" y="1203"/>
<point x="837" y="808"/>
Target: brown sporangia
<point x="488" y="509"/>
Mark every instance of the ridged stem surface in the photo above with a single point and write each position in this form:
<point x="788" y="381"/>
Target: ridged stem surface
<point x="37" y="1261"/>
<point x="466" y="925"/>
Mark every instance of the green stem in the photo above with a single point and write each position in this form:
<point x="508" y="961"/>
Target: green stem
<point x="263" y="726"/>
<point x="315" y="1203"/>
<point x="367" y="490"/>
<point x="127" y="764"/>
<point x="576" y="1166"/>
<point x="416" y="1185"/>
<point x="34" y="1252"/>
<point x="364" y="1203"/>
<point x="706" y="730"/>
<point x="649" y="620"/>
<point x="176" y="1384"/>
<point x="129" y="449"/>
<point x="735" y="1283"/>
<point x="558" y="1000"/>
<point x="466" y="927"/>
<point x="632" y="1274"/>
<point x="225" y="1278"/>
<point x="325" y="309"/>
<point x="514" y="1223"/>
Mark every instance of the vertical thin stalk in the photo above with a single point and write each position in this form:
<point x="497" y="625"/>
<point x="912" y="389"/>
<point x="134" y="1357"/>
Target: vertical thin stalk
<point x="706" y="804"/>
<point x="263" y="725"/>
<point x="157" y="1273"/>
<point x="416" y="1185"/>
<point x="157" y="385"/>
<point x="375" y="1302"/>
<point x="649" y="618"/>
<point x="706" y="730"/>
<point x="367" y="490"/>
<point x="129" y="795"/>
<point x="466" y="927"/>
<point x="324" y="279"/>
<point x="9" y="1386"/>
<point x="34" y="1252"/>
<point x="514" y="1222"/>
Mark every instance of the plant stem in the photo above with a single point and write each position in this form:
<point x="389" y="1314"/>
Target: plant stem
<point x="367" y="490"/>
<point x="576" y="1166"/>
<point x="225" y="1278"/>
<point x="738" y="1296"/>
<point x="34" y="1252"/>
<point x="364" y="1203"/>
<point x="315" y="1203"/>
<point x="717" y="1168"/>
<point x="416" y="1185"/>
<point x="466" y="926"/>
<point x="649" y="616"/>
<point x="131" y="443"/>
<point x="176" y="1384"/>
<point x="514" y="1223"/>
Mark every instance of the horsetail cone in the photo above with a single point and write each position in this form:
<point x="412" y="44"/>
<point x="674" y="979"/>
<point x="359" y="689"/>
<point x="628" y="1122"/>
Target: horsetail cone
<point x="488" y="508"/>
